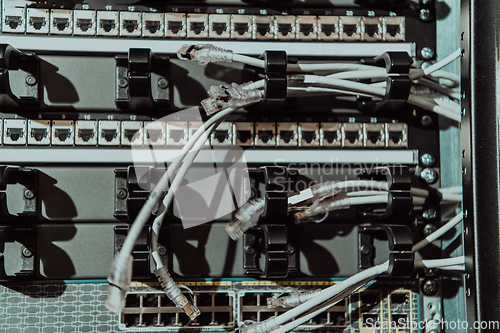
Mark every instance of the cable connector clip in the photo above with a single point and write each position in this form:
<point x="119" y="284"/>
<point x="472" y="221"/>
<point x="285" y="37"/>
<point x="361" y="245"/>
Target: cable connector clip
<point x="264" y="326"/>
<point x="245" y="218"/>
<point x="204" y="53"/>
<point x="119" y="281"/>
<point x="234" y="96"/>
<point x="296" y="298"/>
<point x="174" y="293"/>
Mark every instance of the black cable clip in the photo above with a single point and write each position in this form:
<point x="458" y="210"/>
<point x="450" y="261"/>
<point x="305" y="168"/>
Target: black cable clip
<point x="25" y="65"/>
<point x="276" y="191"/>
<point x="400" y="241"/>
<point x="399" y="180"/>
<point x="140" y="253"/>
<point x="398" y="87"/>
<point x="280" y="259"/>
<point x="132" y="189"/>
<point x="275" y="87"/>
<point x="24" y="176"/>
<point x="142" y="80"/>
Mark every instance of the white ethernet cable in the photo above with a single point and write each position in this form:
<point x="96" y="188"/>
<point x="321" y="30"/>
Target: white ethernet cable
<point x="440" y="263"/>
<point x="273" y="324"/>
<point x="439" y="88"/>
<point x="246" y="217"/>
<point x="437" y="66"/>
<point x="172" y="290"/>
<point x="206" y="53"/>
<point x="379" y="91"/>
<point x="438" y="233"/>
<point x="445" y="264"/>
<point x="322" y="308"/>
<point x="327" y="189"/>
<point x="178" y="176"/>
<point x="344" y="84"/>
<point x="183" y="170"/>
<point x="295" y="298"/>
<point x="120" y="273"/>
<point x="234" y="96"/>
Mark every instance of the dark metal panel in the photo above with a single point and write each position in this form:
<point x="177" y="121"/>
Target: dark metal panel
<point x="480" y="142"/>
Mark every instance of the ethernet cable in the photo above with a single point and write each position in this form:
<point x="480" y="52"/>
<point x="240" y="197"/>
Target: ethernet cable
<point x="322" y="308"/>
<point x="170" y="288"/>
<point x="175" y="182"/>
<point x="437" y="66"/>
<point x="207" y="53"/>
<point x="445" y="264"/>
<point x="440" y="263"/>
<point x="120" y="272"/>
<point x="450" y="110"/>
<point x="273" y="324"/>
<point x="438" y="233"/>
<point x="183" y="169"/>
<point x="121" y="269"/>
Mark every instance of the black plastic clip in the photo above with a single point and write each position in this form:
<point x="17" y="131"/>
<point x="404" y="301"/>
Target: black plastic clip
<point x="276" y="191"/>
<point x="20" y="245"/>
<point x="24" y="176"/>
<point x="399" y="180"/>
<point x="275" y="87"/>
<point x="142" y="80"/>
<point x="398" y="87"/>
<point x="132" y="188"/>
<point x="280" y="261"/>
<point x="22" y="67"/>
<point x="400" y="241"/>
<point x="140" y="254"/>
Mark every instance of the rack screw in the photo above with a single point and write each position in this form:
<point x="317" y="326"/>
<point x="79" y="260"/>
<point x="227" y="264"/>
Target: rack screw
<point x="429" y="175"/>
<point x="26" y="252"/>
<point x="162" y="250"/>
<point x="249" y="250"/>
<point x="122" y="82"/>
<point x="427" y="53"/>
<point x="365" y="249"/>
<point x="121" y="193"/>
<point x="430" y="287"/>
<point x="430" y="213"/>
<point x="28" y="194"/>
<point x="425" y="14"/>
<point x="30" y="80"/>
<point x="162" y="84"/>
<point x="429" y="229"/>
<point x="427" y="159"/>
<point x="426" y="121"/>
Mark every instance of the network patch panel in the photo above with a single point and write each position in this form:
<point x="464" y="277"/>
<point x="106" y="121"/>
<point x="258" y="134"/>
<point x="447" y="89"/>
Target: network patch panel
<point x="176" y="133"/>
<point x="230" y="304"/>
<point x="75" y="161"/>
<point x="202" y="26"/>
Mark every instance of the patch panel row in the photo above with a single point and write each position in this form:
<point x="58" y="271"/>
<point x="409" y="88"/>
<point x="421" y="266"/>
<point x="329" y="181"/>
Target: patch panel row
<point x="154" y="309"/>
<point x="223" y="310"/>
<point x="177" y="133"/>
<point x="213" y="26"/>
